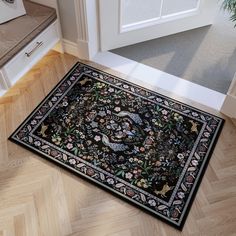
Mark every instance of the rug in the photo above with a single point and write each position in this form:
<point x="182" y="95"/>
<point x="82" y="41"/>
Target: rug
<point x="144" y="147"/>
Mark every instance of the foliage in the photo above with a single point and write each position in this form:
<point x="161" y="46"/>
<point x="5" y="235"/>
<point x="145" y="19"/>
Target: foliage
<point x="230" y="5"/>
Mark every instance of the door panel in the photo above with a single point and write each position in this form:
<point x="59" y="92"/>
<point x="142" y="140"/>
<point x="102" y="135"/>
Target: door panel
<point x="180" y="6"/>
<point x="125" y="22"/>
<point x="133" y="11"/>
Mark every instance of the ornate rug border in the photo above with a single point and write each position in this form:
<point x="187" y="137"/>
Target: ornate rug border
<point x="197" y="183"/>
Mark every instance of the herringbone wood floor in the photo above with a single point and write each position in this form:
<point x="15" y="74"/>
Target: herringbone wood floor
<point x="39" y="198"/>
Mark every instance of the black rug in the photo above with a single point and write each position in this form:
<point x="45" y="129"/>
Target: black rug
<point x="146" y="148"/>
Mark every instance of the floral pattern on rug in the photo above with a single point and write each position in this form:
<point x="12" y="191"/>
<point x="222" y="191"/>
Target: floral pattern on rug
<point x="147" y="147"/>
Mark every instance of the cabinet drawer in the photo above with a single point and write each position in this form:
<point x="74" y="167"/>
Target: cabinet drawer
<point x="29" y="55"/>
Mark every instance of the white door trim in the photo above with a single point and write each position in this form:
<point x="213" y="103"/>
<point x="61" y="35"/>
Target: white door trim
<point x="86" y="12"/>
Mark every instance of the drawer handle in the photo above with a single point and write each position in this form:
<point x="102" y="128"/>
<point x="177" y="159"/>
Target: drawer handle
<point x="38" y="45"/>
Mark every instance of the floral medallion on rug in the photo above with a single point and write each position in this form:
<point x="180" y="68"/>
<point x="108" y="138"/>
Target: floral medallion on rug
<point x="147" y="148"/>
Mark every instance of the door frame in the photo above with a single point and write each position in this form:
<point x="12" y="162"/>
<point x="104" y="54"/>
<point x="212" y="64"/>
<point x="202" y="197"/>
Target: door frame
<point x="88" y="43"/>
<point x="87" y="23"/>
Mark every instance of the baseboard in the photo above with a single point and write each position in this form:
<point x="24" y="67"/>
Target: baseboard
<point x="59" y="47"/>
<point x="79" y="49"/>
<point x="70" y="47"/>
<point x="3" y="84"/>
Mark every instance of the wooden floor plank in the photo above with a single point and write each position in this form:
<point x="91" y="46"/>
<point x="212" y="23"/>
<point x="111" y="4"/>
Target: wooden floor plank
<point x="39" y="198"/>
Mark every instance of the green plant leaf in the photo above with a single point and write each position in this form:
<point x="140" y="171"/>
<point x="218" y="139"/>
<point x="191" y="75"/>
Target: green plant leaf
<point x="230" y="6"/>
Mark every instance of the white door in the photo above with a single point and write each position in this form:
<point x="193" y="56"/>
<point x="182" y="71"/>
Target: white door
<point x="125" y="22"/>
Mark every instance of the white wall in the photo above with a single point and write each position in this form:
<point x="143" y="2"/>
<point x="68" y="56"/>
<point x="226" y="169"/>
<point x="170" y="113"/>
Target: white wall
<point x="68" y="20"/>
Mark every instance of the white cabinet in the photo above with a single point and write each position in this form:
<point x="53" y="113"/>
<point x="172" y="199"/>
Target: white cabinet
<point x="14" y="69"/>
